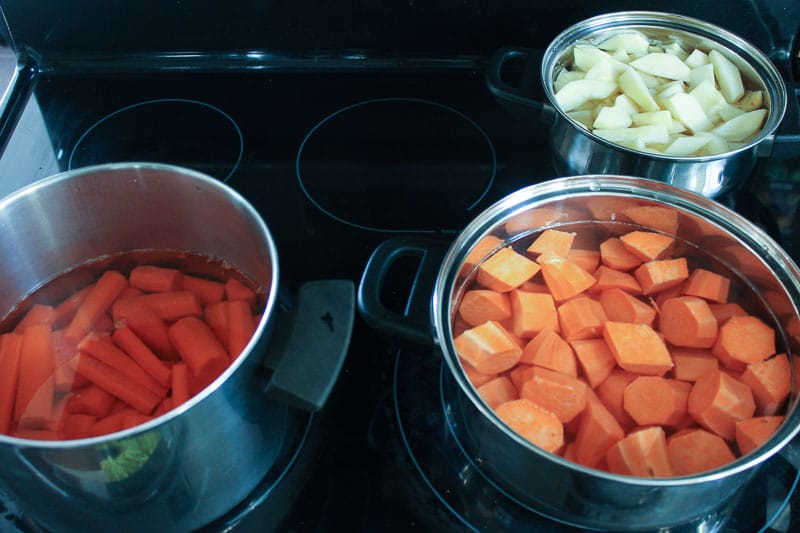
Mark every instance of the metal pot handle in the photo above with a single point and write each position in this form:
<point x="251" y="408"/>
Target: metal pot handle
<point x="528" y="85"/>
<point x="413" y="324"/>
<point x="309" y="344"/>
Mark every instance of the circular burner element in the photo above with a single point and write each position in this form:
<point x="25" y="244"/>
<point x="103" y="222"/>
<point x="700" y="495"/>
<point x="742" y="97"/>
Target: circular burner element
<point x="177" y="131"/>
<point x="397" y="165"/>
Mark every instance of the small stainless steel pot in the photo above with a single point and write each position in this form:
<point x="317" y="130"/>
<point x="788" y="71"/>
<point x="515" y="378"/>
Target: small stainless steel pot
<point x="578" y="151"/>
<point x="197" y="462"/>
<point x="764" y="276"/>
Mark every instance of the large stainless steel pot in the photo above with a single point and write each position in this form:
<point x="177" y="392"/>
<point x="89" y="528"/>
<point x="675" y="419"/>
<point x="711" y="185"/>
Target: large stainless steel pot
<point x="764" y="275"/>
<point x="197" y="462"/>
<point x="578" y="151"/>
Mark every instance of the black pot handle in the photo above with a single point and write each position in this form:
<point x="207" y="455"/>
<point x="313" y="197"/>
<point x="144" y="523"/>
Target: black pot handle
<point x="309" y="343"/>
<point x="530" y="83"/>
<point x="413" y="324"/>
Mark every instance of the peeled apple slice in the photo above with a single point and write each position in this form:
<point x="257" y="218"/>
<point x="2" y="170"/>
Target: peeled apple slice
<point x="653" y="134"/>
<point x="576" y="93"/>
<point x="686" y="146"/>
<point x="611" y="118"/>
<point x="634" y="88"/>
<point x="663" y="65"/>
<point x="633" y="43"/>
<point x="728" y="77"/>
<point x="688" y="110"/>
<point x="585" y="56"/>
<point x="740" y="128"/>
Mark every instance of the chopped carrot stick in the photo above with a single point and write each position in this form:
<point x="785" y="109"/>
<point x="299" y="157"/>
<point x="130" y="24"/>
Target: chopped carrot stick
<point x="707" y="285"/>
<point x="637" y="348"/>
<point x="36" y="434"/>
<point x="549" y="350"/>
<point x="241" y="327"/>
<point x="531" y="313"/>
<point x="180" y="384"/>
<point x="77" y="425"/>
<point x="534" y="423"/>
<point x="164" y="407"/>
<point x="621" y="306"/>
<point x="717" y="401"/>
<point x="597" y="432"/>
<point x="753" y="432"/>
<point x="117" y="383"/>
<point x="552" y="240"/>
<point x="655" y="276"/>
<point x="38" y="314"/>
<point x="482" y="249"/>
<point x="611" y="392"/>
<point x="588" y="260"/>
<point x="148" y="327"/>
<point x="131" y="344"/>
<point x="497" y="391"/>
<point x="687" y="321"/>
<point x="96" y="303"/>
<point x="564" y="278"/>
<point x="90" y="400"/>
<point x="112" y="423"/>
<point x="613" y="254"/>
<point x="36" y="365"/>
<point x="608" y="278"/>
<point x="168" y="306"/>
<point x="489" y="348"/>
<point x="596" y="360"/>
<point x="745" y="339"/>
<point x="151" y="278"/>
<point x="771" y="382"/>
<point x="10" y="349"/>
<point x="641" y="453"/>
<point x="581" y="318"/>
<point x="696" y="450"/>
<point x="534" y="286"/>
<point x="659" y="218"/>
<point x="236" y="290"/>
<point x="656" y="401"/>
<point x="648" y="245"/>
<point x="129" y="292"/>
<point x="481" y="305"/>
<point x="537" y="217"/>
<point x="561" y="394"/>
<point x="207" y="290"/>
<point x="199" y="348"/>
<point x="691" y="363"/>
<point x="723" y="312"/>
<point x="664" y="295"/>
<point x="518" y="375"/>
<point x="216" y="316"/>
<point x="476" y="378"/>
<point x="506" y="270"/>
<point x="65" y="310"/>
<point x="105" y="351"/>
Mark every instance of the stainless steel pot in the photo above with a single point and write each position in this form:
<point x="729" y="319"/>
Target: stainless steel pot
<point x="578" y="151"/>
<point x="197" y="462"/>
<point x="764" y="277"/>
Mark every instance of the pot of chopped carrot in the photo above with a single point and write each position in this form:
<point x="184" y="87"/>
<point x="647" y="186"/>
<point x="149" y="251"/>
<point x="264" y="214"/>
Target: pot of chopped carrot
<point x="620" y="351"/>
<point x="143" y="356"/>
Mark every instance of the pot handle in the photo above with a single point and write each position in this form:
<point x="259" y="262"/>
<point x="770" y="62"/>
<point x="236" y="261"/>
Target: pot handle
<point x="413" y="324"/>
<point x="785" y="143"/>
<point x="309" y="344"/>
<point x="529" y="82"/>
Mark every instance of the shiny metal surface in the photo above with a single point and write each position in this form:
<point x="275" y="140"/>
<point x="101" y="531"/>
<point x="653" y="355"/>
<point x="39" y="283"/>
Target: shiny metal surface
<point x="202" y="458"/>
<point x="709" y="234"/>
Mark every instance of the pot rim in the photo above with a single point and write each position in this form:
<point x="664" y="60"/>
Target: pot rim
<point x="271" y="301"/>
<point x="725" y="40"/>
<point x="772" y="254"/>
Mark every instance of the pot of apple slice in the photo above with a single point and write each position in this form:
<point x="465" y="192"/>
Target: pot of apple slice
<point x="655" y="95"/>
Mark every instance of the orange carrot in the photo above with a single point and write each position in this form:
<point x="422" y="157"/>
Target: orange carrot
<point x="723" y="312"/>
<point x="518" y="375"/>
<point x="753" y="432"/>
<point x="608" y="278"/>
<point x="648" y="245"/>
<point x="482" y="249"/>
<point x="10" y="349"/>
<point x="36" y="365"/>
<point x="637" y="348"/>
<point x="771" y="382"/>
<point x="552" y="240"/>
<point x="641" y="453"/>
<point x="588" y="260"/>
<point x="563" y="395"/>
<point x="531" y="313"/>
<point x="596" y="360"/>
<point x="658" y="299"/>
<point x="129" y="292"/>
<point x="708" y="285"/>
<point x="489" y="348"/>
<point x="656" y="401"/>
<point x="481" y="305"/>
<point x="537" y="287"/>
<point x="168" y="305"/>
<point x="236" y="290"/>
<point x="581" y="318"/>
<point x="691" y="363"/>
<point x="117" y="383"/>
<point x="131" y="344"/>
<point x="613" y="254"/>
<point x="151" y="278"/>
<point x="611" y="392"/>
<point x="95" y="304"/>
<point x="621" y="306"/>
<point x="102" y="349"/>
<point x="655" y="276"/>
<point x="696" y="450"/>
<point x="90" y="400"/>
<point x="78" y="426"/>
<point x="164" y="407"/>
<point x="216" y="316"/>
<point x="65" y="311"/>
<point x="549" y="350"/>
<point x="717" y="401"/>
<point x="37" y="314"/>
<point x="498" y="391"/>
<point x="534" y="423"/>
<point x="180" y="384"/>
<point x="687" y="321"/>
<point x="207" y="290"/>
<point x="564" y="278"/>
<point x="659" y="218"/>
<point x="112" y="423"/>
<point x="597" y="432"/>
<point x="506" y="270"/>
<point x="148" y="327"/>
<point x="241" y="327"/>
<point x="199" y="348"/>
<point x="476" y="378"/>
<point x="745" y="339"/>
